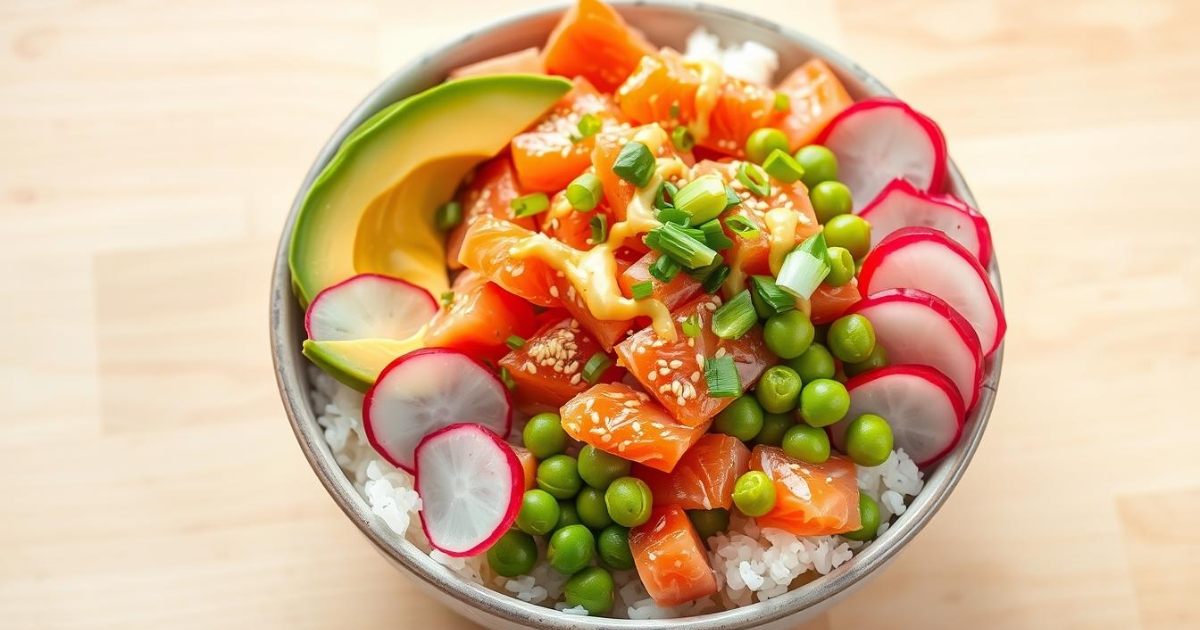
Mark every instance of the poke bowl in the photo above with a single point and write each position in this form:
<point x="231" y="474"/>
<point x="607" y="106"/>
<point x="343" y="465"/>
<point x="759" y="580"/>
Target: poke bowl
<point x="642" y="315"/>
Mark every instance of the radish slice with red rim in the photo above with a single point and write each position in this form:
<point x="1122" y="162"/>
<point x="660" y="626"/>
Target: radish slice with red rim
<point x="470" y="482"/>
<point x="920" y="404"/>
<point x="926" y="259"/>
<point x="901" y="205"/>
<point x="881" y="139"/>
<point x="426" y="390"/>
<point x="918" y="328"/>
<point x="369" y="306"/>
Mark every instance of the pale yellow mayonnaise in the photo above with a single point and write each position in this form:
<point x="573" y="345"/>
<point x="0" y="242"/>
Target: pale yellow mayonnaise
<point x="707" y="94"/>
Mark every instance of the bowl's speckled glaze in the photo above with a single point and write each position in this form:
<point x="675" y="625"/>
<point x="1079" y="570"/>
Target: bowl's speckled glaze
<point x="666" y="23"/>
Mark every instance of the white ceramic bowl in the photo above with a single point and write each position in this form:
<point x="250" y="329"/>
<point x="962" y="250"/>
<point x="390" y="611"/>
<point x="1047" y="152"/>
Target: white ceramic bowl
<point x="665" y="23"/>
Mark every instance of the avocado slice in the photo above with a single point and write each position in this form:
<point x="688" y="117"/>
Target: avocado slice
<point x="358" y="362"/>
<point x="372" y="208"/>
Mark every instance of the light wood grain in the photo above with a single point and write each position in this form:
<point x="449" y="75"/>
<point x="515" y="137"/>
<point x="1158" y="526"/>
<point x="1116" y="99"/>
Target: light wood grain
<point x="151" y="150"/>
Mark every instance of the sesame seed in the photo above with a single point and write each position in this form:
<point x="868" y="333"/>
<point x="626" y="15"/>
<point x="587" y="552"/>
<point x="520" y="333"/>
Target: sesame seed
<point x="680" y="401"/>
<point x="664" y="371"/>
<point x="576" y="378"/>
<point x="675" y="364"/>
<point x="606" y="438"/>
<point x="720" y="352"/>
<point x="700" y="360"/>
<point x="695" y="377"/>
<point x="554" y="291"/>
<point x="651" y="376"/>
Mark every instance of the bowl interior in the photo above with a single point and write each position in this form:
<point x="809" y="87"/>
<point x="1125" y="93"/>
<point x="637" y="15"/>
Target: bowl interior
<point x="666" y="24"/>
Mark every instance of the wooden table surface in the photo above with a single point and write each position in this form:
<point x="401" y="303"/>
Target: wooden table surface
<point x="151" y="151"/>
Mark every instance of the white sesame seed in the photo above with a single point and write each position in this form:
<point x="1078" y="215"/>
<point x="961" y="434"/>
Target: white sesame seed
<point x="695" y="377"/>
<point x="664" y="371"/>
<point x="651" y="376"/>
<point x="720" y="352"/>
<point x="675" y="364"/>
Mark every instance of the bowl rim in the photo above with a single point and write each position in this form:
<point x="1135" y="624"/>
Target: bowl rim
<point x="290" y="365"/>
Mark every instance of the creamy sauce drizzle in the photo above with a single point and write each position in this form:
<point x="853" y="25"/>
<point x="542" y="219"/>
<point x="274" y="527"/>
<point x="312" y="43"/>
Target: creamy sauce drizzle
<point x="593" y="273"/>
<point x="781" y="234"/>
<point x="711" y="76"/>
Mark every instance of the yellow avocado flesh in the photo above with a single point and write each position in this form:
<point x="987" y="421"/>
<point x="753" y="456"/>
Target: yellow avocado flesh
<point x="358" y="362"/>
<point x="372" y="209"/>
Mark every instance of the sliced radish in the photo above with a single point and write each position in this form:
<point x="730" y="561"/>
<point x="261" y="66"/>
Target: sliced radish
<point x="920" y="404"/>
<point x="426" y="390"/>
<point x="470" y="482"/>
<point x="901" y="205"/>
<point x="369" y="306"/>
<point x="881" y="139"/>
<point x="916" y="327"/>
<point x="926" y="259"/>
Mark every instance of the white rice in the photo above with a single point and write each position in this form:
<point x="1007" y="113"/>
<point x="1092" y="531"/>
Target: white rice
<point x="751" y="564"/>
<point x="749" y="61"/>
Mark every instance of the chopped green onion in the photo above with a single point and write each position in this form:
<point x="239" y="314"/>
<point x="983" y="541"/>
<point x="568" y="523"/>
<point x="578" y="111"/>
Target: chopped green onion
<point x="507" y="379"/>
<point x="722" y="378"/>
<point x="682" y="138"/>
<point x="741" y="226"/>
<point x="735" y="317"/>
<point x="703" y="198"/>
<point x="731" y="198"/>
<point x="665" y="197"/>
<point x="514" y="342"/>
<point x="635" y="164"/>
<point x="642" y="290"/>
<point x="754" y="178"/>
<point x="783" y="167"/>
<point x="712" y="283"/>
<point x="664" y="269"/>
<point x="530" y="205"/>
<point x="447" y="298"/>
<point x="783" y="102"/>
<point x="773" y="299"/>
<point x="599" y="229"/>
<point x="448" y="216"/>
<point x="714" y="235"/>
<point x="584" y="192"/>
<point x="674" y="110"/>
<point x="674" y="215"/>
<point x="595" y="367"/>
<point x="589" y="125"/>
<point x="691" y="326"/>
<point x="805" y="267"/>
<point x="682" y="244"/>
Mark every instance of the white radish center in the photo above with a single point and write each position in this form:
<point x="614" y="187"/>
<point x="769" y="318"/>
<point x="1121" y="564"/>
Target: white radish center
<point x="370" y="307"/>
<point x="878" y="145"/>
<point x="466" y="486"/>
<point x="933" y="268"/>
<point x="911" y="332"/>
<point x="900" y="210"/>
<point x="922" y="417"/>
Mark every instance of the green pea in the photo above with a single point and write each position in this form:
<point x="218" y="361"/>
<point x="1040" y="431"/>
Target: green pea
<point x="544" y="435"/>
<point x="567" y="515"/>
<point x="851" y="232"/>
<point x="868" y="440"/>
<point x="754" y="493"/>
<point x="819" y="163"/>
<point x="513" y="554"/>
<point x="742" y="418"/>
<point x="778" y="389"/>
<point x="762" y="142"/>
<point x="709" y="523"/>
<point x="598" y="469"/>
<point x="591" y="588"/>
<point x="571" y="549"/>
<point x="591" y="509"/>
<point x="815" y="363"/>
<point x="775" y="425"/>
<point x="806" y="443"/>
<point x="788" y="334"/>
<point x="613" y="547"/>
<point x="868" y="513"/>
<point x="852" y="338"/>
<point x="829" y="201"/>
<point x="877" y="359"/>
<point x="824" y="402"/>
<point x="559" y="475"/>
<point x="539" y="513"/>
<point x="841" y="267"/>
<point x="629" y="501"/>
